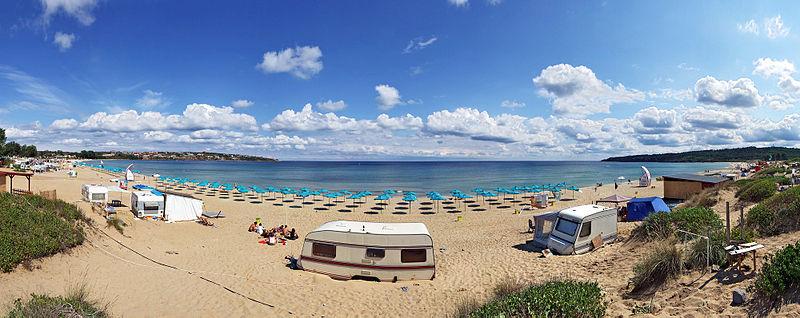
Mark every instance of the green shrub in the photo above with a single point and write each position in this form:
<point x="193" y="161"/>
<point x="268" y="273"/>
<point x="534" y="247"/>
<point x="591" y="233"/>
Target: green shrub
<point x="780" y="273"/>
<point x="656" y="226"/>
<point x="778" y="214"/>
<point x="33" y="227"/>
<point x="75" y="304"/>
<point x="758" y="190"/>
<point x="663" y="263"/>
<point x="659" y="226"/>
<point x="565" y="298"/>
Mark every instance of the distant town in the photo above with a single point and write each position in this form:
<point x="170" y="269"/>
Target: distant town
<point x="150" y="155"/>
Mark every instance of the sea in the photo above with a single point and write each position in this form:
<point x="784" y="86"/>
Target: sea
<point x="420" y="176"/>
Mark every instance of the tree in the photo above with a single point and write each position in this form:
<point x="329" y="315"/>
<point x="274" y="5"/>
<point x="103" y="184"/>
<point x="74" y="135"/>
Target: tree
<point x="11" y="149"/>
<point x="2" y="139"/>
<point x="28" y="151"/>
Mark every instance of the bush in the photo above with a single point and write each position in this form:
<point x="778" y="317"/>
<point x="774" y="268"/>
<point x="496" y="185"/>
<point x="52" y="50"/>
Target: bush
<point x="780" y="273"/>
<point x="778" y="214"/>
<point x="33" y="227"/>
<point x="758" y="190"/>
<point x="656" y="226"/>
<point x="659" y="226"/>
<point x="76" y="304"/>
<point x="565" y="298"/>
<point x="663" y="263"/>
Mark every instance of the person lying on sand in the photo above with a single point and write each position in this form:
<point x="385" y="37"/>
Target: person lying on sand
<point x="253" y="227"/>
<point x="292" y="235"/>
<point x="205" y="221"/>
<point x="260" y="229"/>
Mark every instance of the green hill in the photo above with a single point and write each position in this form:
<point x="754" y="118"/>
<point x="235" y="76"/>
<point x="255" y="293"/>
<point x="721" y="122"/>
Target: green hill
<point x="718" y="155"/>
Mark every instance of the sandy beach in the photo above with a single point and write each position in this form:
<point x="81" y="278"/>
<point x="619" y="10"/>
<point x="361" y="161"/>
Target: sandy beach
<point x="473" y="254"/>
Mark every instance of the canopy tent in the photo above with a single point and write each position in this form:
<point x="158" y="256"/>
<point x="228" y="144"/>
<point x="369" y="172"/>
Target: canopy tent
<point x="640" y="208"/>
<point x="616" y="199"/>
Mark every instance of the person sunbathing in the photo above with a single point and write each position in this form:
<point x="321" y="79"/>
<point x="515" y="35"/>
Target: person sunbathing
<point x="205" y="221"/>
<point x="260" y="229"/>
<point x="253" y="227"/>
<point x="292" y="235"/>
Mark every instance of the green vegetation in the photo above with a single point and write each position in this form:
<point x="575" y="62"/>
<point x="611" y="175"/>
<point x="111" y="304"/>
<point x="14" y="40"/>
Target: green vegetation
<point x="11" y="149"/>
<point x="757" y="190"/>
<point x="75" y="304"/>
<point x="33" y="227"/>
<point x="659" y="226"/>
<point x="777" y="214"/>
<point x="781" y="273"/>
<point x="719" y="155"/>
<point x="565" y="298"/>
<point x="663" y="263"/>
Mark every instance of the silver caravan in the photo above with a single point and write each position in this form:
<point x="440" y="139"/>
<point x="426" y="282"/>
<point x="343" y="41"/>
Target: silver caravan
<point x="577" y="226"/>
<point x="382" y="251"/>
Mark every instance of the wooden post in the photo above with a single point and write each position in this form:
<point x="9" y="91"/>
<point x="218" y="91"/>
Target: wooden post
<point x="727" y="223"/>
<point x="741" y="223"/>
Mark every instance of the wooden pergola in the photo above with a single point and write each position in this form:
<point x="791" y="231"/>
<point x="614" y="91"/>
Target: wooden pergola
<point x="11" y="174"/>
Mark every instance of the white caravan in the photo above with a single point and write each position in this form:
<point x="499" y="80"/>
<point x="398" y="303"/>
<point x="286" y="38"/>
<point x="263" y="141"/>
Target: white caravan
<point x="382" y="251"/>
<point x="94" y="193"/>
<point x="577" y="226"/>
<point x="146" y="203"/>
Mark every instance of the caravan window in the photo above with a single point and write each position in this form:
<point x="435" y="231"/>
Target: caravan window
<point x="150" y="206"/>
<point x="98" y="196"/>
<point x="566" y="226"/>
<point x="376" y="253"/>
<point x="586" y="229"/>
<point x="413" y="256"/>
<point x="324" y="250"/>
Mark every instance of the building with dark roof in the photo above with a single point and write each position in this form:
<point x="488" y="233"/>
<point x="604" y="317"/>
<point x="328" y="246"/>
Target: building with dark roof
<point x="683" y="186"/>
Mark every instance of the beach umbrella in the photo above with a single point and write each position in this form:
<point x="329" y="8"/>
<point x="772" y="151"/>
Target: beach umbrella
<point x="574" y="189"/>
<point x="330" y="195"/>
<point x="410" y="197"/>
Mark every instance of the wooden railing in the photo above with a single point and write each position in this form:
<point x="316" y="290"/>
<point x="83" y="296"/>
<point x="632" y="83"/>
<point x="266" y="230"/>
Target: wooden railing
<point x="20" y="192"/>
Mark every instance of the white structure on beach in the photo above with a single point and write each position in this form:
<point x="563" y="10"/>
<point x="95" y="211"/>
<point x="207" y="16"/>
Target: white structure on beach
<point x="180" y="208"/>
<point x="94" y="193"/>
<point x="382" y="251"/>
<point x="576" y="227"/>
<point x="646" y="178"/>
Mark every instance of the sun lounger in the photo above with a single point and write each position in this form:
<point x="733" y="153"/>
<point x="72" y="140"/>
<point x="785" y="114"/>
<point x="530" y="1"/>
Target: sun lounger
<point x="213" y="214"/>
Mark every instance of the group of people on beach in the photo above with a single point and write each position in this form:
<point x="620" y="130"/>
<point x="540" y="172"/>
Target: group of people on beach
<point x="272" y="235"/>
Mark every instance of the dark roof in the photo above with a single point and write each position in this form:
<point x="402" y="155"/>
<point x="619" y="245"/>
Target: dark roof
<point x="696" y="177"/>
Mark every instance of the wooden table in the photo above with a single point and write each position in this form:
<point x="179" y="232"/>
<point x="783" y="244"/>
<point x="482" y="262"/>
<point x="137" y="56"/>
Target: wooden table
<point x="739" y="251"/>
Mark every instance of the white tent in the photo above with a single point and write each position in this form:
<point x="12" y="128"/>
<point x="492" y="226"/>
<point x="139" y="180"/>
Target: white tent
<point x="94" y="193"/>
<point x="645" y="179"/>
<point x="179" y="208"/>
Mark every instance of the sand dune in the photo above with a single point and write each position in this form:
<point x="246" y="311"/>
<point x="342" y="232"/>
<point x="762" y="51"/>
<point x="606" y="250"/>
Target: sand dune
<point x="473" y="255"/>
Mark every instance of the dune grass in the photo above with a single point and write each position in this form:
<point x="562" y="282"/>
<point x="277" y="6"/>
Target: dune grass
<point x="562" y="298"/>
<point x="75" y="304"/>
<point x="780" y="273"/>
<point x="776" y="215"/>
<point x="663" y="263"/>
<point x="33" y="227"/>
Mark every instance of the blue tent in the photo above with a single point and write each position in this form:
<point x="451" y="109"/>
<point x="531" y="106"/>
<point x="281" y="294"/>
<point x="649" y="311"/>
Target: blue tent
<point x="640" y="208"/>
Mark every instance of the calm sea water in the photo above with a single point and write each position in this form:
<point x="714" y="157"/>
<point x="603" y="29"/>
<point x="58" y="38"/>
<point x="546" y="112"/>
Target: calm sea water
<point x="440" y="176"/>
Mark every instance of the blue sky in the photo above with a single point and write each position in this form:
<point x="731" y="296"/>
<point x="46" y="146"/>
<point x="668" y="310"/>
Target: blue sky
<point x="449" y="79"/>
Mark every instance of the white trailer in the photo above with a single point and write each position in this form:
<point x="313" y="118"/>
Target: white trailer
<point x="381" y="251"/>
<point x="146" y="203"/>
<point x="94" y="193"/>
<point x="577" y="226"/>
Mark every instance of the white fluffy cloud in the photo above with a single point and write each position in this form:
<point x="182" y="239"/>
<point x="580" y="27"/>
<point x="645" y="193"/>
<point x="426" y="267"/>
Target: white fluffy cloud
<point x="64" y="124"/>
<point x="302" y="61"/>
<point x="576" y="91"/>
<point x="775" y="28"/>
<point x="459" y="3"/>
<point x="332" y="106"/>
<point x="736" y="93"/>
<point x="479" y="125"/>
<point x="703" y="118"/>
<point x="78" y="9"/>
<point x="241" y="103"/>
<point x="397" y="123"/>
<point x="195" y="116"/>
<point x="511" y="104"/>
<point x="63" y="40"/>
<point x="388" y="97"/>
<point x="158" y="135"/>
<point x="309" y="120"/>
<point x="768" y="67"/>
<point x="652" y="120"/>
<point x="749" y="26"/>
<point x="152" y="99"/>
